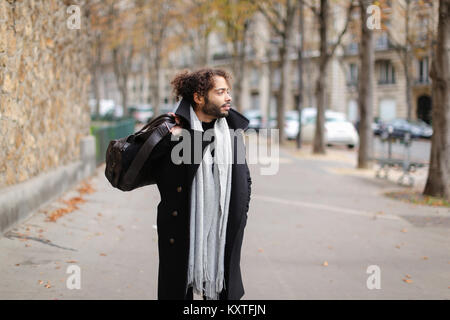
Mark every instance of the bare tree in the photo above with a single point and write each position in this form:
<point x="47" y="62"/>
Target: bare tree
<point x="365" y="91"/>
<point x="121" y="39"/>
<point x="326" y="52"/>
<point x="300" y="70"/>
<point x="157" y="17"/>
<point x="236" y="17"/>
<point x="280" y="16"/>
<point x="438" y="182"/>
<point x="407" y="45"/>
<point x="196" y="20"/>
<point x="96" y="17"/>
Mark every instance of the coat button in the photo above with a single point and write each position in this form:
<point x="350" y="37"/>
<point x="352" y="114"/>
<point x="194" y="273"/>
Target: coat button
<point x="175" y="213"/>
<point x="172" y="240"/>
<point x="179" y="189"/>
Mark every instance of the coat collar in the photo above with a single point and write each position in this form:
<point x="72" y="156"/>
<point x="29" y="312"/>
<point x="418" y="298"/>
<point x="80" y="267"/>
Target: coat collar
<point x="235" y="119"/>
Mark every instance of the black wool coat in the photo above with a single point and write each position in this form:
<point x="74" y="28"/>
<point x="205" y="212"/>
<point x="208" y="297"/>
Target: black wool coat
<point x="173" y="220"/>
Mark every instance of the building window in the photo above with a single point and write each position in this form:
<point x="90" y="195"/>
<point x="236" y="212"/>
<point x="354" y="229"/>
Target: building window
<point x="423" y="70"/>
<point x="255" y="101"/>
<point x="382" y="42"/>
<point x="386" y="73"/>
<point x="352" y="76"/>
<point x="254" y="78"/>
<point x="276" y="79"/>
<point x="352" y="48"/>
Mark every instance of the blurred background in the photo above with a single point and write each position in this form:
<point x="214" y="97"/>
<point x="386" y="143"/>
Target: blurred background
<point x="65" y="63"/>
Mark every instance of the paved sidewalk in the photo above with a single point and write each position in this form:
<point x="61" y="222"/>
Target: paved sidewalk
<point x="110" y="237"/>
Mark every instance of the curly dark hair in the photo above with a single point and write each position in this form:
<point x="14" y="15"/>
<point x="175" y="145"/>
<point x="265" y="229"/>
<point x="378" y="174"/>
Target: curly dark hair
<point x="186" y="83"/>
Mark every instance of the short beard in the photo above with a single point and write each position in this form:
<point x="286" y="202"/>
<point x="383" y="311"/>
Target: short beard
<point x="213" y="110"/>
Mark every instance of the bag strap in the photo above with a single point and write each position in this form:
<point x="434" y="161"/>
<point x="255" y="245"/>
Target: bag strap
<point x="144" y="152"/>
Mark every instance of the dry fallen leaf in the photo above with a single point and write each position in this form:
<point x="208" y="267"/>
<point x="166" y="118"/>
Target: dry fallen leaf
<point x="48" y="285"/>
<point x="74" y="201"/>
<point x="103" y="254"/>
<point x="40" y="281"/>
<point x="425" y="258"/>
<point x="260" y="250"/>
<point x="71" y="261"/>
<point x="397" y="246"/>
<point x="86" y="188"/>
<point x="408" y="276"/>
<point x="408" y="280"/>
<point x="325" y="264"/>
<point x="58" y="213"/>
<point x="404" y="230"/>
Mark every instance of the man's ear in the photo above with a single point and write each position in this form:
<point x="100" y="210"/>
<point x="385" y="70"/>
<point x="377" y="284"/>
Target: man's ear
<point x="198" y="99"/>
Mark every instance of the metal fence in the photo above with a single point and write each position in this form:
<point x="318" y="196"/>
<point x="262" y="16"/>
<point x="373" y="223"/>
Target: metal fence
<point x="105" y="131"/>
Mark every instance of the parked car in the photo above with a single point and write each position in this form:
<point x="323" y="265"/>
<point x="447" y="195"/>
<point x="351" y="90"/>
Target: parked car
<point x="291" y="124"/>
<point x="377" y="127"/>
<point x="338" y="131"/>
<point x="108" y="107"/>
<point x="291" y="121"/>
<point x="255" y="119"/>
<point x="426" y="131"/>
<point x="399" y="127"/>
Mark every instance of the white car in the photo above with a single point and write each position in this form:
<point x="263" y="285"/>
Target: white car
<point x="291" y="121"/>
<point x="338" y="131"/>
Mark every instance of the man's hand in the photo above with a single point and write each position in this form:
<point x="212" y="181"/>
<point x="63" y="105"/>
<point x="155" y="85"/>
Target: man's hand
<point x="176" y="130"/>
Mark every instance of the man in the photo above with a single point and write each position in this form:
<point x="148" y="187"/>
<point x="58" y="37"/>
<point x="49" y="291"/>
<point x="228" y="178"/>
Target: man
<point x="204" y="200"/>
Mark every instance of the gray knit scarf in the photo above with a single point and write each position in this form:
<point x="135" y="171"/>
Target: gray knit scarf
<point x="210" y="197"/>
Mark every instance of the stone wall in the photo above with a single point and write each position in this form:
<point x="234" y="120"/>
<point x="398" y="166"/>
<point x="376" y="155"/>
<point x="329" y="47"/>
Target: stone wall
<point x="44" y="82"/>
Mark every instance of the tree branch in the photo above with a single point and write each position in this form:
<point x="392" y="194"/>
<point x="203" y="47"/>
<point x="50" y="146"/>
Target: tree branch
<point x="347" y="22"/>
<point x="273" y="23"/>
<point x="310" y="7"/>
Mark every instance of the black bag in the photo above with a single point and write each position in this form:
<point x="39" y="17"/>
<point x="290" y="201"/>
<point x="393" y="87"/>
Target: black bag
<point x="125" y="157"/>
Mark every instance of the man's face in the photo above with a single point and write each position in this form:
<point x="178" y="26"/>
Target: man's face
<point x="218" y="100"/>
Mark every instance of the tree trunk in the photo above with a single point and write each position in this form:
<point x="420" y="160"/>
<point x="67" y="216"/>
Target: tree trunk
<point x="270" y="89"/>
<point x="300" y="73"/>
<point x="97" y="72"/>
<point x="407" y="62"/>
<point x="282" y="94"/>
<point x="155" y="89"/>
<point x="408" y="84"/>
<point x="319" y="137"/>
<point x="319" y="141"/>
<point x="365" y="90"/>
<point x="122" y="57"/>
<point x="438" y="182"/>
<point x="238" y="66"/>
<point x="124" y="92"/>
